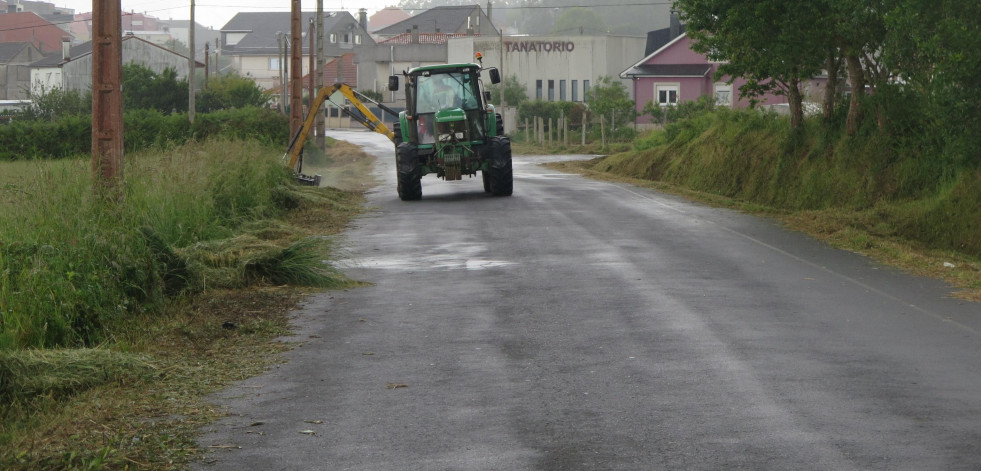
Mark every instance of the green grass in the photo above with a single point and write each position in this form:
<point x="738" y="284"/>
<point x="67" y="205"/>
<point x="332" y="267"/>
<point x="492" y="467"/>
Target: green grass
<point x="192" y="218"/>
<point x="225" y="265"/>
<point x="864" y="193"/>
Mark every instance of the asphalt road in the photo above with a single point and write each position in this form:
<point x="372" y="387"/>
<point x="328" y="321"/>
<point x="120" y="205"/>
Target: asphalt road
<point x="584" y="325"/>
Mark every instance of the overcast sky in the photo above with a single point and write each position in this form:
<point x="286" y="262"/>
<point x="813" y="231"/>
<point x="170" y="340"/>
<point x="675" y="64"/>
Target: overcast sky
<point x="216" y="13"/>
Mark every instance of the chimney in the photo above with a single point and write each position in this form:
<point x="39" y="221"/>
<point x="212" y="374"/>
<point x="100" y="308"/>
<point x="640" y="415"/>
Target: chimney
<point x="415" y="34"/>
<point x="363" y="18"/>
<point x="66" y="44"/>
<point x="675" y="25"/>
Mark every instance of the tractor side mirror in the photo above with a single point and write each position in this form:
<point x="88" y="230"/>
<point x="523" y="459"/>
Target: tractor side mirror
<point x="393" y="82"/>
<point x="495" y="75"/>
<point x="486" y="96"/>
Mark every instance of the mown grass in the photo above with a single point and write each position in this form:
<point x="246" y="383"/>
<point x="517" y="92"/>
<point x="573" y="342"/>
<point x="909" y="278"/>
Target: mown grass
<point x="178" y="290"/>
<point x="860" y="193"/>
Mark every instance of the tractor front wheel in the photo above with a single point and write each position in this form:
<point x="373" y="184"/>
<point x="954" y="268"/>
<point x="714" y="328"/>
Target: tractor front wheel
<point x="409" y="172"/>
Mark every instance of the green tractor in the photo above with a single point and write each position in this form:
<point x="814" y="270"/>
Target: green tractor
<point x="449" y="128"/>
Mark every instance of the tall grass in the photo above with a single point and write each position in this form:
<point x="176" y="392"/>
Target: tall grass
<point x="756" y="157"/>
<point x="72" y="264"/>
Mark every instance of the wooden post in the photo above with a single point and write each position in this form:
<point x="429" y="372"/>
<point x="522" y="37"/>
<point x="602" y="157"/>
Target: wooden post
<point x="107" y="98"/>
<point x="191" y="69"/>
<point x="207" y="63"/>
<point x="310" y="95"/>
<point x="296" y="68"/>
<point x="550" y="132"/>
<point x="603" y="131"/>
<point x="565" y="132"/>
<point x="583" y="129"/>
<point x="527" y="132"/>
<point x="319" y="73"/>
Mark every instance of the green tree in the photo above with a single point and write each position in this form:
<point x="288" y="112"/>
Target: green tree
<point x="773" y="44"/>
<point x="513" y="90"/>
<point x="579" y="20"/>
<point x="56" y="103"/>
<point x="230" y="91"/>
<point x="609" y="98"/>
<point x="146" y="89"/>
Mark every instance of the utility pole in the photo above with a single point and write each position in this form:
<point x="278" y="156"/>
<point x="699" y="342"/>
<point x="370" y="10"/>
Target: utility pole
<point x="207" y="63"/>
<point x="191" y="70"/>
<point x="296" y="68"/>
<point x="319" y="72"/>
<point x="311" y="32"/>
<point x="107" y="98"/>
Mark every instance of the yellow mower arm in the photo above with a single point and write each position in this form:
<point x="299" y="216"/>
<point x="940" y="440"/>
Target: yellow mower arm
<point x="371" y="121"/>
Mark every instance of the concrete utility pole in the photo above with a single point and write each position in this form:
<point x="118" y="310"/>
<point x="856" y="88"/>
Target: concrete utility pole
<point x="107" y="98"/>
<point x="296" y="68"/>
<point x="319" y="73"/>
<point x="190" y="69"/>
<point x="207" y="63"/>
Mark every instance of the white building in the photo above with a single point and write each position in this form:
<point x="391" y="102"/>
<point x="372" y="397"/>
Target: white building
<point x="553" y="68"/>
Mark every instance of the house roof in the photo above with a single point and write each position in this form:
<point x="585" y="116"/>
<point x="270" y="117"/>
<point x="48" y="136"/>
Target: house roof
<point x="659" y="38"/>
<point x="29" y="27"/>
<point x="263" y="26"/>
<point x="84" y="49"/>
<point x="636" y="68"/>
<point x="386" y="17"/>
<point x="8" y="51"/>
<point x="445" y="19"/>
<point x="668" y="70"/>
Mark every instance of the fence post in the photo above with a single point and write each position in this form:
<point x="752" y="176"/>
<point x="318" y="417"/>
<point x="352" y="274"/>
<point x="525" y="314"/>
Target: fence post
<point x="549" y="132"/>
<point x="565" y="132"/>
<point x="583" y="130"/>
<point x="603" y="131"/>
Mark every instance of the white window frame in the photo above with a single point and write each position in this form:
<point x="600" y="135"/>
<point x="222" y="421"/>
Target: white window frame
<point x="667" y="88"/>
<point x="333" y="38"/>
<point x="274" y="63"/>
<point x="722" y="87"/>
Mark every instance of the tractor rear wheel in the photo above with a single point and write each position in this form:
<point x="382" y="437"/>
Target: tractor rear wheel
<point x="409" y="172"/>
<point x="500" y="175"/>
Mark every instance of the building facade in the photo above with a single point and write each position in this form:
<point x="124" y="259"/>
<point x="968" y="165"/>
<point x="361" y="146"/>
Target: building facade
<point x="552" y="68"/>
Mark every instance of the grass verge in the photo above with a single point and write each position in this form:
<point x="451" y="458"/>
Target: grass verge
<point x="856" y="230"/>
<point x="136" y="400"/>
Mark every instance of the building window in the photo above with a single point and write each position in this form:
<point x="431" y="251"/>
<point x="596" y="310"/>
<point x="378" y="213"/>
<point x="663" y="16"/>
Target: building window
<point x="357" y="39"/>
<point x="575" y="90"/>
<point x="273" y="63"/>
<point x="561" y="90"/>
<point x="333" y="38"/>
<point x="723" y="94"/>
<point x="666" y="94"/>
<point x="347" y="38"/>
<point x="585" y="89"/>
<point x="551" y="90"/>
<point x="538" y="89"/>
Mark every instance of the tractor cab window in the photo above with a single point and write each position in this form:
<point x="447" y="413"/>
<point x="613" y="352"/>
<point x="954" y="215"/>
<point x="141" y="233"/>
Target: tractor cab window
<point x="442" y="91"/>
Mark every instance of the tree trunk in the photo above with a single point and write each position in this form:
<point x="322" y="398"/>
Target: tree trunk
<point x="856" y="78"/>
<point x="833" y="65"/>
<point x="796" y="103"/>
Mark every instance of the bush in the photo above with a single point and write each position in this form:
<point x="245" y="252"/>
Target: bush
<point x="143" y="129"/>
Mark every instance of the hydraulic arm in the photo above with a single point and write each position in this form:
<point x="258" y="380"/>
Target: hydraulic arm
<point x="363" y="116"/>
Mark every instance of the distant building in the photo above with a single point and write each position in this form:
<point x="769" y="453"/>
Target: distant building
<point x="30" y="27"/>
<point x="386" y="17"/>
<point x="467" y="19"/>
<point x="72" y="69"/>
<point x="252" y="40"/>
<point x="671" y="73"/>
<point x="553" y="68"/>
<point x="15" y="70"/>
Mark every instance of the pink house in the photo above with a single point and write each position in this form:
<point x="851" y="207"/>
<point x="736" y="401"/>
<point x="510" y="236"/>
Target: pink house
<point x="672" y="72"/>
